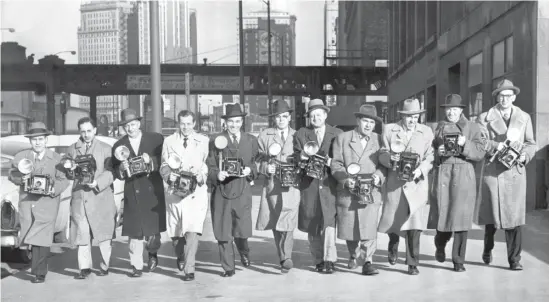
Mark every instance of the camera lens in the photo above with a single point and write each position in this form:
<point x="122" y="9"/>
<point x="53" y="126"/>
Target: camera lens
<point x="407" y="168"/>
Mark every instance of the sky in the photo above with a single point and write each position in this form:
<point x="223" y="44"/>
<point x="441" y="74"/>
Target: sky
<point x="50" y="26"/>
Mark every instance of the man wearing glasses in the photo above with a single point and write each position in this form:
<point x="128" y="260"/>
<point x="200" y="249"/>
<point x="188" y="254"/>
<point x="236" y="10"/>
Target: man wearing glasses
<point x="279" y="205"/>
<point x="503" y="202"/>
<point x="144" y="204"/>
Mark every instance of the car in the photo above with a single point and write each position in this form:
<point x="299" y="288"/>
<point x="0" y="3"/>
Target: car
<point x="9" y="147"/>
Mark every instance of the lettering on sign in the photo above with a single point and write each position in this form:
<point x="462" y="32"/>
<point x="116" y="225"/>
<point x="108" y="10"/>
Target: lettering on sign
<point x="177" y="82"/>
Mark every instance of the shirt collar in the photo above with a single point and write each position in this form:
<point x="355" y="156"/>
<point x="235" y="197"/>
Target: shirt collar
<point x="39" y="155"/>
<point x="321" y="129"/>
<point x="137" y="138"/>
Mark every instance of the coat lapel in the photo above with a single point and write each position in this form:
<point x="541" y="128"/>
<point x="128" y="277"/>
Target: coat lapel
<point x="517" y="120"/>
<point x="355" y="144"/>
<point x="496" y="122"/>
<point x="401" y="134"/>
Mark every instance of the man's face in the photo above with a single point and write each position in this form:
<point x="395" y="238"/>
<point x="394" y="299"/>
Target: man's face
<point x="318" y="117"/>
<point x="234" y="124"/>
<point x="186" y="125"/>
<point x="38" y="143"/>
<point x="283" y="120"/>
<point x="365" y="125"/>
<point x="453" y="114"/>
<point x="506" y="98"/>
<point x="87" y="132"/>
<point x="133" y="128"/>
<point x="410" y="121"/>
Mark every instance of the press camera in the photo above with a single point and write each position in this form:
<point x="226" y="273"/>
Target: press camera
<point x="314" y="165"/>
<point x="81" y="169"/>
<point x="185" y="183"/>
<point x="451" y="146"/>
<point x="396" y="148"/>
<point x="364" y="184"/>
<point x="233" y="166"/>
<point x="510" y="154"/>
<point x="138" y="165"/>
<point x="407" y="164"/>
<point x="39" y="184"/>
<point x="285" y="172"/>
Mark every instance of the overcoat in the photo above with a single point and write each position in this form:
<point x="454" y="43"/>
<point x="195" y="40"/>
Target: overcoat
<point x="455" y="183"/>
<point x="37" y="213"/>
<point x="231" y="201"/>
<point x="406" y="205"/>
<point x="93" y="211"/>
<point x="144" y="203"/>
<point x="317" y="209"/>
<point x="356" y="221"/>
<point x="186" y="214"/>
<point x="503" y="201"/>
<point x="279" y="207"/>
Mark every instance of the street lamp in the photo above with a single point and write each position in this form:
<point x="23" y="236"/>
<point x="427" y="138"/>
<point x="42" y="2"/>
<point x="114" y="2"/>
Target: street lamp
<point x="10" y="29"/>
<point x="72" y="52"/>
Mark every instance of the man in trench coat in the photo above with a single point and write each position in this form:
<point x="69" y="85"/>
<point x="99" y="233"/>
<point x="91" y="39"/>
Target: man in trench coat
<point x="454" y="184"/>
<point x="37" y="213"/>
<point x="93" y="211"/>
<point x="279" y="205"/>
<point x="186" y="213"/>
<point x="357" y="220"/>
<point x="406" y="206"/>
<point x="144" y="204"/>
<point x="503" y="202"/>
<point x="317" y="209"/>
<point x="231" y="201"/>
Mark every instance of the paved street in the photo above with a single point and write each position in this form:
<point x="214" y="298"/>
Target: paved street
<point x="263" y="281"/>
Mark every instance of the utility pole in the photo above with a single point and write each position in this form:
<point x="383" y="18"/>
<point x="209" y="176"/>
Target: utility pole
<point x="269" y="65"/>
<point x="241" y="49"/>
<point x="154" y="34"/>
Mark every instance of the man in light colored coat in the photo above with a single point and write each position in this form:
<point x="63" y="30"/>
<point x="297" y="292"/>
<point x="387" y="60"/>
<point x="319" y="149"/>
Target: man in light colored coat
<point x="454" y="181"/>
<point x="186" y="214"/>
<point x="357" y="220"/>
<point x="279" y="205"/>
<point x="503" y="202"/>
<point x="406" y="206"/>
<point x="93" y="211"/>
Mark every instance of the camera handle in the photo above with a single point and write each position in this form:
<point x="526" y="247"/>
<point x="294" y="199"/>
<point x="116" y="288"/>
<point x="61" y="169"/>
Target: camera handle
<point x="507" y="142"/>
<point x="128" y="172"/>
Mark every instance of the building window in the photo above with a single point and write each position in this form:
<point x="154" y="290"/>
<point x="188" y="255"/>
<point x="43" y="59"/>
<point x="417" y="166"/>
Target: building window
<point x="474" y="84"/>
<point x="502" y="58"/>
<point x="421" y="97"/>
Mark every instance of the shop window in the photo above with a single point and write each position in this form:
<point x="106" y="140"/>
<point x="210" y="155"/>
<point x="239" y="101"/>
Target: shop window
<point x="474" y="84"/>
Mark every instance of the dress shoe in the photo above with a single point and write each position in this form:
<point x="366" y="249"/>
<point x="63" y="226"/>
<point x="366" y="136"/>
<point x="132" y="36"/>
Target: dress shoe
<point x="83" y="274"/>
<point x="286" y="265"/>
<point x="180" y="263"/>
<point x="412" y="270"/>
<point x="352" y="263"/>
<point x="102" y="272"/>
<point x="516" y="266"/>
<point x="392" y="257"/>
<point x="39" y="279"/>
<point x="245" y="260"/>
<point x="368" y="269"/>
<point x="458" y="267"/>
<point x="153" y="262"/>
<point x="440" y="255"/>
<point x="228" y="273"/>
<point x="136" y="273"/>
<point x="188" y="277"/>
<point x="319" y="268"/>
<point x="487" y="257"/>
<point x="329" y="267"/>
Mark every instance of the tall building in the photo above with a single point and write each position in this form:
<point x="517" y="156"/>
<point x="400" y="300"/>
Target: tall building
<point x="331" y="12"/>
<point x="463" y="47"/>
<point x="193" y="35"/>
<point x="103" y="39"/>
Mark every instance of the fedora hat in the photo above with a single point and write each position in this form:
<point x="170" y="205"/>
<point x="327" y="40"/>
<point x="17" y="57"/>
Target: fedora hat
<point x="127" y="115"/>
<point x="411" y="106"/>
<point x="453" y="100"/>
<point x="368" y="111"/>
<point x="505" y="85"/>
<point x="37" y="129"/>
<point x="233" y="110"/>
<point x="317" y="103"/>
<point x="280" y="106"/>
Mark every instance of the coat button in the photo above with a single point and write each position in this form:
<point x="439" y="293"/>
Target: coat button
<point x="320" y="187"/>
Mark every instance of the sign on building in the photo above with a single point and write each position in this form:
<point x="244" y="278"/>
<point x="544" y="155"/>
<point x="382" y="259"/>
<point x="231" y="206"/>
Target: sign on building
<point x="197" y="82"/>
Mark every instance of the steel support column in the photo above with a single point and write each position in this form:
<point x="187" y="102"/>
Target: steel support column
<point x="156" y="117"/>
<point x="241" y="67"/>
<point x="50" y="101"/>
<point x="93" y="108"/>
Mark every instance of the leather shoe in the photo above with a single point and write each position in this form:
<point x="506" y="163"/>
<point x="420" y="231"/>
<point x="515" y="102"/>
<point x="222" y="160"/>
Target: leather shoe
<point x="102" y="272"/>
<point x="286" y="265"/>
<point x="83" y="274"/>
<point x="412" y="270"/>
<point x="352" y="263"/>
<point x="180" y="263"/>
<point x="188" y="277"/>
<point x="458" y="267"/>
<point x="39" y="279"/>
<point x="487" y="257"/>
<point x="516" y="266"/>
<point x="136" y="273"/>
<point x="329" y="267"/>
<point x="392" y="257"/>
<point x="228" y="273"/>
<point x="368" y="269"/>
<point x="153" y="262"/>
<point x="319" y="268"/>
<point x="245" y="260"/>
<point x="440" y="255"/>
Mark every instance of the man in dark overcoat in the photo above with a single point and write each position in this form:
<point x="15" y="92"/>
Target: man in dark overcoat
<point x="317" y="210"/>
<point x="231" y="201"/>
<point x="144" y="203"/>
<point x="454" y="182"/>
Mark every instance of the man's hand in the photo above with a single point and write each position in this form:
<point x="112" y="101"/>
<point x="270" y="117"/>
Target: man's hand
<point x="500" y="146"/>
<point x="246" y="171"/>
<point x="125" y="165"/>
<point x="441" y="150"/>
<point x="395" y="156"/>
<point x="461" y="140"/>
<point x="350" y="183"/>
<point x="417" y="174"/>
<point x="522" y="158"/>
<point x="222" y="175"/>
<point x="271" y="169"/>
<point x="376" y="179"/>
<point x="173" y="177"/>
<point x="93" y="184"/>
<point x="329" y="162"/>
<point x="25" y="177"/>
<point x="146" y="158"/>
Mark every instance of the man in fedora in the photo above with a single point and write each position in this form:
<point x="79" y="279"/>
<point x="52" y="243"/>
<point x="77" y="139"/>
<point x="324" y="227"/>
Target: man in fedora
<point x="38" y="213"/>
<point x="454" y="185"/>
<point x="231" y="201"/>
<point x="357" y="217"/>
<point x="279" y="205"/>
<point x="317" y="210"/>
<point x="406" y="207"/>
<point x="144" y="204"/>
<point x="503" y="202"/>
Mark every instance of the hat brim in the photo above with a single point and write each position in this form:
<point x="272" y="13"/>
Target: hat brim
<point x="411" y="112"/>
<point x="375" y="118"/>
<point x="38" y="134"/>
<point x="498" y="90"/>
<point x="122" y="123"/>
<point x="326" y="108"/>
<point x="234" y="115"/>
<point x="277" y="113"/>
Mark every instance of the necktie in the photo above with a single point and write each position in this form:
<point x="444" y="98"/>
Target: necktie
<point x="36" y="157"/>
<point x="185" y="141"/>
<point x="235" y="141"/>
<point x="364" y="141"/>
<point x="319" y="137"/>
<point x="282" y="136"/>
<point x="87" y="147"/>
